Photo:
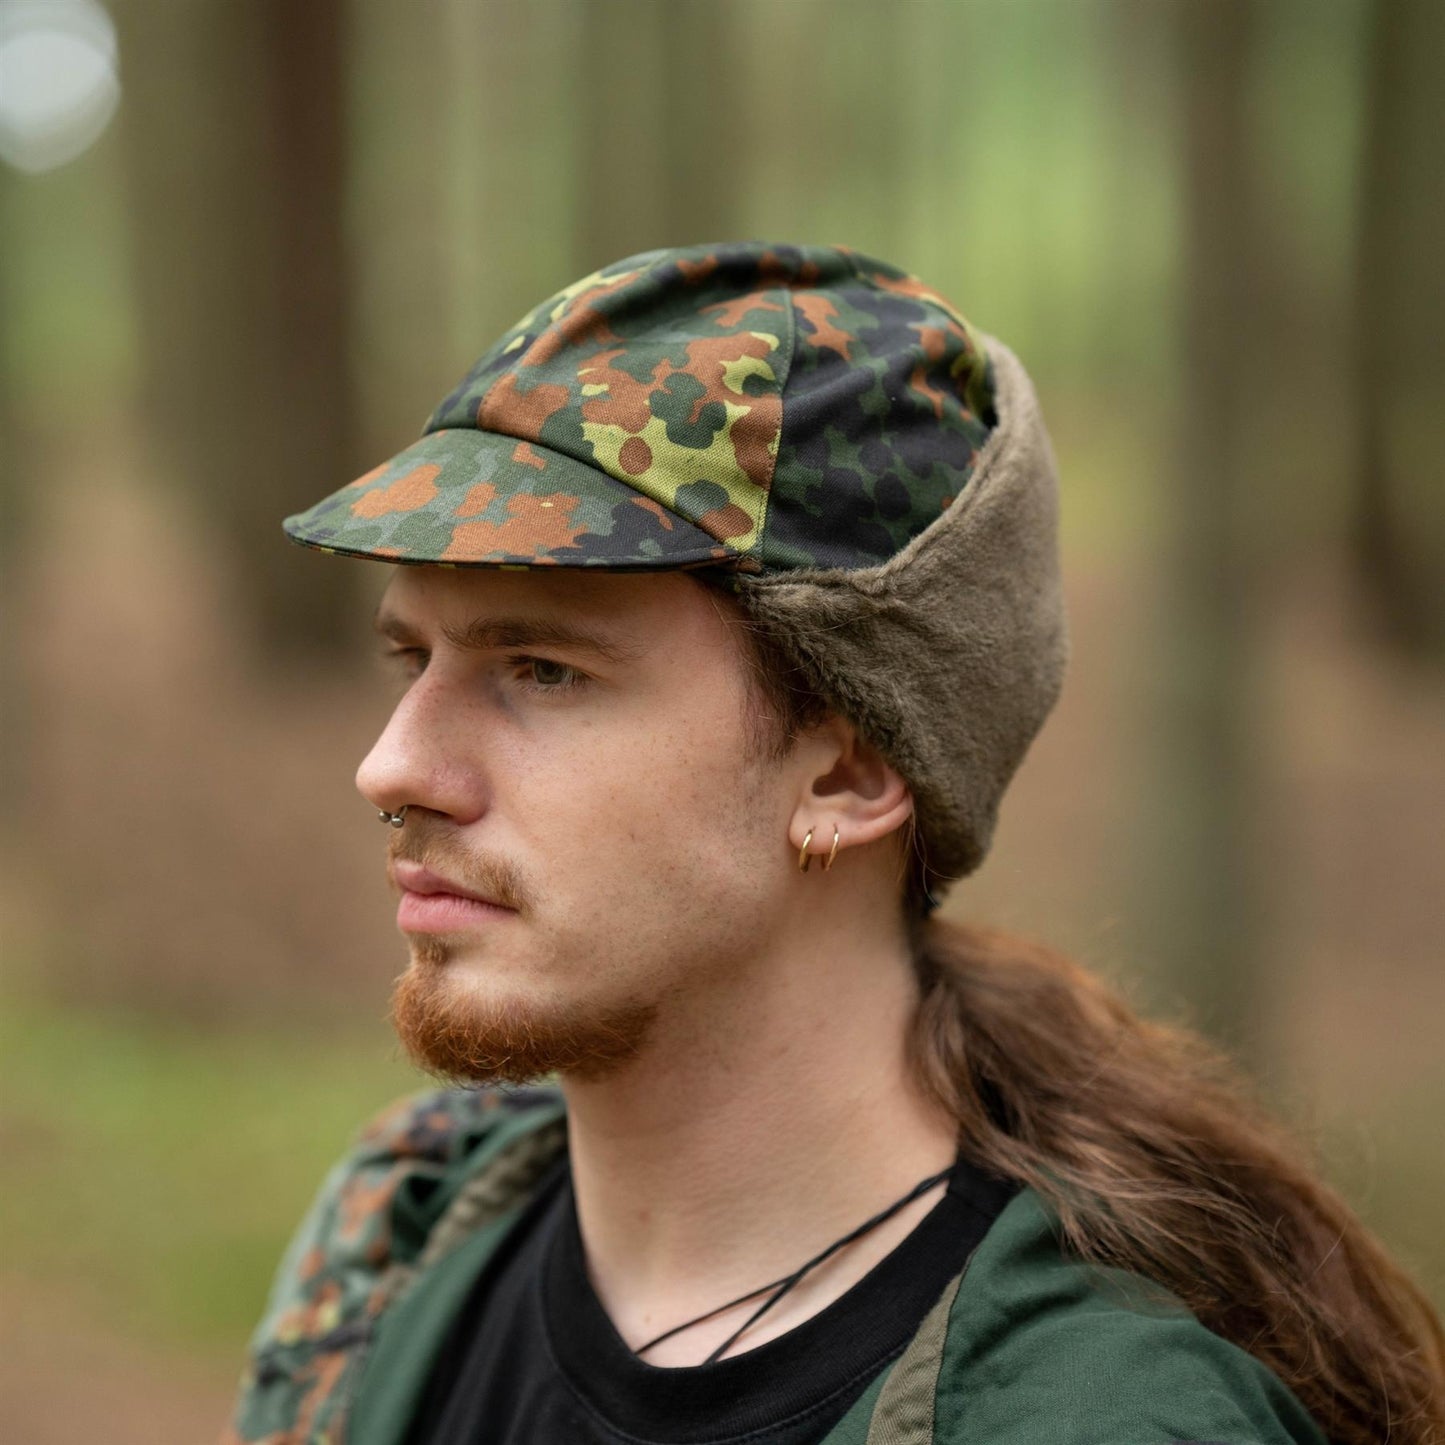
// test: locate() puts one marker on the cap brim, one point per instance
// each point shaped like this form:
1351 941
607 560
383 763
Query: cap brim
473 498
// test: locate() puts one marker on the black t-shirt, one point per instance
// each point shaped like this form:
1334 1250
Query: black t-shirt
533 1358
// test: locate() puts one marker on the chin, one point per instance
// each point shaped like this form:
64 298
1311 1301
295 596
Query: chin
460 1031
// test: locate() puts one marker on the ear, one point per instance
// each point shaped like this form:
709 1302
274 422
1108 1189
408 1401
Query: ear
846 784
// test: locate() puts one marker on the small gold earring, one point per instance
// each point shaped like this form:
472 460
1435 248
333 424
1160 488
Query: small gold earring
804 857
833 851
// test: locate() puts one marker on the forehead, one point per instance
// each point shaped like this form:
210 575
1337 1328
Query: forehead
652 610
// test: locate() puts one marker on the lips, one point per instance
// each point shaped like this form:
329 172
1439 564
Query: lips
433 904
413 878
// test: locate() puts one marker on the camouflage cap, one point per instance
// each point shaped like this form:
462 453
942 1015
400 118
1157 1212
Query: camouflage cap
817 423
760 407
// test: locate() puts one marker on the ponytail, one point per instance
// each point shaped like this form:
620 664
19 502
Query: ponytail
1158 1160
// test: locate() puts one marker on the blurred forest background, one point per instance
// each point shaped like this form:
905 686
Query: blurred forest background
245 246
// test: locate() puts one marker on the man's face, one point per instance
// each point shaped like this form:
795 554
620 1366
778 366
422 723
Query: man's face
575 747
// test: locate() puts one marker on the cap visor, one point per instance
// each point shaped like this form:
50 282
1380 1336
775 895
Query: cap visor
479 499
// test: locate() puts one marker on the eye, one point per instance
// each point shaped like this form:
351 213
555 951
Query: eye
547 674
406 661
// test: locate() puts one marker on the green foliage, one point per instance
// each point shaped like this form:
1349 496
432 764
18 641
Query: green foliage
160 1171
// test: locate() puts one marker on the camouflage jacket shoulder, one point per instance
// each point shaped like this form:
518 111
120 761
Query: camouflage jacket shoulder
406 1190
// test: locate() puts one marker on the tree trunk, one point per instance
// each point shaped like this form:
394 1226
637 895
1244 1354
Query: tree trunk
655 163
1397 360
1204 882
236 156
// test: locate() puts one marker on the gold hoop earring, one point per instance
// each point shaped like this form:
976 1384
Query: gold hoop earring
804 857
833 851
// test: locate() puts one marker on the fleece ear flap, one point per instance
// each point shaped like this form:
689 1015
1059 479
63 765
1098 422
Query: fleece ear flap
949 655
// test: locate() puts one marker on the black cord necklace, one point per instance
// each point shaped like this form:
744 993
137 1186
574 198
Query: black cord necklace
782 1286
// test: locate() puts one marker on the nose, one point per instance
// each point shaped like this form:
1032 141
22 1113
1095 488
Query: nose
416 762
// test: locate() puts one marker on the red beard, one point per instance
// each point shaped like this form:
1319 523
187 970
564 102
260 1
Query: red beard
451 1034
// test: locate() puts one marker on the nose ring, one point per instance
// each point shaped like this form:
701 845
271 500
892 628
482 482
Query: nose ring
395 819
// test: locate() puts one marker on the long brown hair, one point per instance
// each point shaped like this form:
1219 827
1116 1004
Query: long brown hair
1151 1147
1159 1160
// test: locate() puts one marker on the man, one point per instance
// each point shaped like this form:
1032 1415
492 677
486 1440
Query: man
730 606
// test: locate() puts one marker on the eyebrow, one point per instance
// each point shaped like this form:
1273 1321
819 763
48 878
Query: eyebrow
512 631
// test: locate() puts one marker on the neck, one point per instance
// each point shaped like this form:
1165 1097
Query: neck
762 1123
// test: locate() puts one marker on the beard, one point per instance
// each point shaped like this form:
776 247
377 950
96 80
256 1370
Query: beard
455 1034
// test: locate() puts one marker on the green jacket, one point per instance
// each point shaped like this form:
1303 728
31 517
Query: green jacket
1025 1347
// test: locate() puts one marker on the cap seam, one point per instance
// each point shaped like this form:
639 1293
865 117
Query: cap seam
790 325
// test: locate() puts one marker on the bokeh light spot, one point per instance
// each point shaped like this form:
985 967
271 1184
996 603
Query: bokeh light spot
59 80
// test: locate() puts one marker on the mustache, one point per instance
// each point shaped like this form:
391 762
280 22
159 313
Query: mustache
496 877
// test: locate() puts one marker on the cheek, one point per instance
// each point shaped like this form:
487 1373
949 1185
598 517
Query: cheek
710 836
657 813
